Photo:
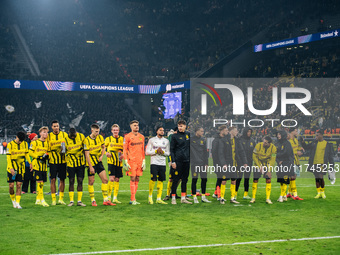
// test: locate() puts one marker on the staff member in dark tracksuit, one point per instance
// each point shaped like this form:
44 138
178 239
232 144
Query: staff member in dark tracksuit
199 163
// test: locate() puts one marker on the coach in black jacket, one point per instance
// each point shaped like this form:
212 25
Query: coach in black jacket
180 160
320 157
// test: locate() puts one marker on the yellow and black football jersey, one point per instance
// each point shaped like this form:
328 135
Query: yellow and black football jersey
54 142
295 144
94 146
233 147
75 150
37 149
264 156
16 155
114 145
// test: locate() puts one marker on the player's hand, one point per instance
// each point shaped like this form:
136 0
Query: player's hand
108 154
160 151
12 171
31 167
143 165
269 175
173 165
100 159
121 156
280 163
126 165
299 153
92 170
261 170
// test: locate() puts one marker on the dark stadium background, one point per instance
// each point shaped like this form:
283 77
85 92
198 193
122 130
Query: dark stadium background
156 42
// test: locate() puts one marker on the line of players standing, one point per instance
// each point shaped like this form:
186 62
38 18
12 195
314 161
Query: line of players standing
65 153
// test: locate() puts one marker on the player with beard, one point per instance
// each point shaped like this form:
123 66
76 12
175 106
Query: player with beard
159 149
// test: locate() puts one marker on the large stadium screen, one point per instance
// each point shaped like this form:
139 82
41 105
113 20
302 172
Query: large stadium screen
172 103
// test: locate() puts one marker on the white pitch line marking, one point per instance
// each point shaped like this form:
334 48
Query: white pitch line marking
201 246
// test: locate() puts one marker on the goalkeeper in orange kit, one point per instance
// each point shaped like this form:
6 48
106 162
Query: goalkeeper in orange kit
134 158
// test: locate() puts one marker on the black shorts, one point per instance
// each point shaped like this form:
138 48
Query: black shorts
40 175
158 172
58 170
257 174
116 171
318 169
171 173
227 173
18 178
98 168
73 171
198 171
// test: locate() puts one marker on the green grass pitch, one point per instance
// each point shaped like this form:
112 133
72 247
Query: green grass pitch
62 229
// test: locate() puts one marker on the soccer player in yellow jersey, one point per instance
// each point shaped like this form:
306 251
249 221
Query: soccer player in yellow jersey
94 151
17 152
114 154
75 160
57 161
320 157
264 158
38 152
292 190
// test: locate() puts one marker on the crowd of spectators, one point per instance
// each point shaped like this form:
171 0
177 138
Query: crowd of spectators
146 42
40 108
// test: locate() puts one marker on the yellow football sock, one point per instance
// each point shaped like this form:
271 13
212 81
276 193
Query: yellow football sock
318 190
53 197
322 190
38 191
115 189
12 196
17 199
268 190
91 192
283 189
290 187
61 196
111 185
293 187
168 190
222 190
41 184
104 191
80 195
245 194
232 190
151 186
159 189
254 189
71 195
